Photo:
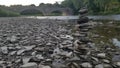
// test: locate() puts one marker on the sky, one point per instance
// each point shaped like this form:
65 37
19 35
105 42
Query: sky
26 2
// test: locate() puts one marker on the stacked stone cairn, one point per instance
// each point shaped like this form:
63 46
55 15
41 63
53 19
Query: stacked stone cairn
83 26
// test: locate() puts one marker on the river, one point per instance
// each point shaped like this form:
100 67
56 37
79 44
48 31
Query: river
106 17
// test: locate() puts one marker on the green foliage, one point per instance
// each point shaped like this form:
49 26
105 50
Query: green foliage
5 13
94 6
31 12
56 13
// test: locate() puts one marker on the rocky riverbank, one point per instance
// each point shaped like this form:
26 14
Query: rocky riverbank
34 43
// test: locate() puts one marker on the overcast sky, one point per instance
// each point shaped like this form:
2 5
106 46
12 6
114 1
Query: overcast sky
26 2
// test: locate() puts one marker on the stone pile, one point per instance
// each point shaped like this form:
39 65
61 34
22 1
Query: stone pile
33 43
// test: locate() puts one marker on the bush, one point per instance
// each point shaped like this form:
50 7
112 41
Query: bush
5 13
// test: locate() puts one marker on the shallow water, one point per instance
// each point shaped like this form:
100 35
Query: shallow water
106 17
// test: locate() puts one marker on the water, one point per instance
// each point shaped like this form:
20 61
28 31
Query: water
106 17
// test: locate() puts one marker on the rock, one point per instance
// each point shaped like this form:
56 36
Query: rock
86 65
101 55
13 53
34 59
83 20
28 48
83 11
73 65
20 52
57 65
25 60
99 66
66 37
118 64
107 66
103 66
40 57
96 59
4 50
1 62
106 61
12 39
29 65
43 66
116 58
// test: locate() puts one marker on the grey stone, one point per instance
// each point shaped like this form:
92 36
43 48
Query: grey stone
86 65
43 66
29 65
99 66
20 52
4 50
101 55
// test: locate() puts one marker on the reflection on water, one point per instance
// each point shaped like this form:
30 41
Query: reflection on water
116 42
106 17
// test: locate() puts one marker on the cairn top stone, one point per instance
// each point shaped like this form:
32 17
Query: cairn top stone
83 11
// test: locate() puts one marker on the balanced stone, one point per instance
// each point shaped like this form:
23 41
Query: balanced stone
83 11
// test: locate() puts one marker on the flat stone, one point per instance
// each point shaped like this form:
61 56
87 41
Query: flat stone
29 65
99 66
106 61
28 48
101 55
13 53
86 65
43 66
20 52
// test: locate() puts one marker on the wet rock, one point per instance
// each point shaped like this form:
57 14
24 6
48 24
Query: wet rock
29 65
86 65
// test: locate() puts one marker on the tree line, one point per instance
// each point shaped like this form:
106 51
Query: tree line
94 6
